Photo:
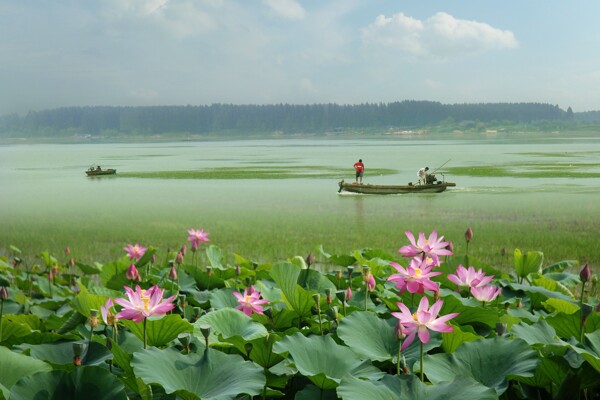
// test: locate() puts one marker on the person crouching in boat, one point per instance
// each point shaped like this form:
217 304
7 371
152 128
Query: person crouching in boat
422 175
359 167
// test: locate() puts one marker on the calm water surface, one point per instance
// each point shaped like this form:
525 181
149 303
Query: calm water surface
44 187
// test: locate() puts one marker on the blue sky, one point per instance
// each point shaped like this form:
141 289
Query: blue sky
56 53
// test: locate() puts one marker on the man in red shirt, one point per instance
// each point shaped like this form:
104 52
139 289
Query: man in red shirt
360 168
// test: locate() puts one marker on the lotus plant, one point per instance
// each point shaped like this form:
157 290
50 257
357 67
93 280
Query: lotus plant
469 277
143 304
250 301
424 248
415 278
135 252
485 294
197 236
419 323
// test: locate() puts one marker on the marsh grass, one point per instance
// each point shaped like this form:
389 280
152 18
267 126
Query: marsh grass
253 172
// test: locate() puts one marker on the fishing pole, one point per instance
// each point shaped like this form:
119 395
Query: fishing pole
441 165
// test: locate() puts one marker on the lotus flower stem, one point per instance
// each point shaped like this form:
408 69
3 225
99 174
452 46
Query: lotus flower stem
1 312
422 360
399 366
145 333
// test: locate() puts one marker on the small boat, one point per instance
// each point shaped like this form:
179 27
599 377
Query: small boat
436 187
99 171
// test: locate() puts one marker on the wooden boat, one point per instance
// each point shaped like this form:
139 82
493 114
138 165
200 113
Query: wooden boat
99 171
436 187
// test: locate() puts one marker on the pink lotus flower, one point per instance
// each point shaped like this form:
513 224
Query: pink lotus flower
486 293
196 237
433 247
415 278
421 321
135 252
143 303
250 301
349 294
468 277
133 274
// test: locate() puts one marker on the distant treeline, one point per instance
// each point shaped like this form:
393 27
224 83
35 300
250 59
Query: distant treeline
285 118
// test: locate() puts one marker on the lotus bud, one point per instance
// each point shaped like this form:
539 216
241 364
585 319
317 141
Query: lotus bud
3 293
78 350
179 258
194 247
67 250
317 299
310 259
55 270
469 234
209 271
183 250
93 319
371 283
585 273
328 295
238 270
399 331
71 262
349 294
132 273
503 251
50 276
173 273
501 328
450 247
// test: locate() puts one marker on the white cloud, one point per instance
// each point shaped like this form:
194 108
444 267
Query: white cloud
286 8
440 36
307 86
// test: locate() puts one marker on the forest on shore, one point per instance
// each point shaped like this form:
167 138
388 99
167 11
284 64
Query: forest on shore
250 120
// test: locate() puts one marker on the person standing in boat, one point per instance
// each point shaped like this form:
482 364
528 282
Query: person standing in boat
422 174
359 167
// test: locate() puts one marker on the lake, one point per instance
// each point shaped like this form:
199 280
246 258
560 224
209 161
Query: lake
47 202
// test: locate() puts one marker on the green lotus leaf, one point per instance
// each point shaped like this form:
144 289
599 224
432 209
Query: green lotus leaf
559 267
452 340
61 353
590 350
537 294
229 322
211 375
560 306
467 314
314 280
297 298
15 327
14 366
566 325
321 359
538 333
372 337
223 298
552 285
89 269
85 301
528 263
159 331
213 253
146 258
93 383
311 392
409 387
488 361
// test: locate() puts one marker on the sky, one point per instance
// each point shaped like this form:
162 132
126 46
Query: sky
62 53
